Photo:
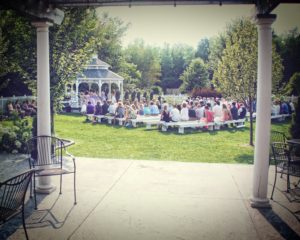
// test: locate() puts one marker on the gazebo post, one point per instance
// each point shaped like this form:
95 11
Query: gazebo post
109 93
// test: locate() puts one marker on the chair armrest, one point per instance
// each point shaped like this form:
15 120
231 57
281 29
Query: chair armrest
70 155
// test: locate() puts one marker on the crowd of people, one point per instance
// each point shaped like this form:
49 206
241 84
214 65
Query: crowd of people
26 108
203 109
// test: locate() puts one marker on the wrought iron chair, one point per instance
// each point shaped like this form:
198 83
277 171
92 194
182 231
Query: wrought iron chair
277 136
285 163
12 197
47 155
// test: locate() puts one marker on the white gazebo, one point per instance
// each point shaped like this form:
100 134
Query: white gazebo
97 72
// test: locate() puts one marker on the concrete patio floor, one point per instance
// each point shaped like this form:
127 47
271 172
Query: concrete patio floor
157 200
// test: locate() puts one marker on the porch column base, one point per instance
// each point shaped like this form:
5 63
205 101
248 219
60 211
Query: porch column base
45 189
260 203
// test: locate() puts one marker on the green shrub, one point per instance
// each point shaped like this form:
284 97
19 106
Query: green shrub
13 139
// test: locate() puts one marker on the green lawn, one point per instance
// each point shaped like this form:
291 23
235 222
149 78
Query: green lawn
106 141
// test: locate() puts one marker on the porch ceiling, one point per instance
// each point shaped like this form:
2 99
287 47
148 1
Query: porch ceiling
49 9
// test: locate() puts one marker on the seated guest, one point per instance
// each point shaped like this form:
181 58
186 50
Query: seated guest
146 110
242 111
192 110
226 114
98 110
284 108
10 108
184 112
153 108
32 104
209 115
120 110
90 108
141 109
105 107
165 115
28 111
111 108
200 110
175 114
130 113
234 111
19 110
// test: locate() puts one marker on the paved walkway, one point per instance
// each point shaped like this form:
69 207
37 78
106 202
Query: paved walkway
155 200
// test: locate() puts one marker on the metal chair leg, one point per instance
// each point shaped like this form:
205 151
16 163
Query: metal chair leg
60 183
274 183
75 200
23 221
34 192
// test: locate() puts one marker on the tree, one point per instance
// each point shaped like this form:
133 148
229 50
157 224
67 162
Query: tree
17 53
203 50
131 75
110 32
71 46
293 87
182 56
195 76
236 71
167 66
288 46
147 60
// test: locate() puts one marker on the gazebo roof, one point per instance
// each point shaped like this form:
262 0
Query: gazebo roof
98 63
97 69
102 74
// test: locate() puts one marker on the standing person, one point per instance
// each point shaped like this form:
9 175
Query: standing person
217 110
234 111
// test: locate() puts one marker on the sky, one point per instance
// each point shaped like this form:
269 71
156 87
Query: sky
157 25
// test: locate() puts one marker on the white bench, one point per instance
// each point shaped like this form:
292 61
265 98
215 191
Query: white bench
150 122
99 117
143 119
111 118
89 117
199 124
239 123
280 117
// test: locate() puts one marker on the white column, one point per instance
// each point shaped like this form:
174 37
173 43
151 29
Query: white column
263 112
109 93
122 91
43 93
76 93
